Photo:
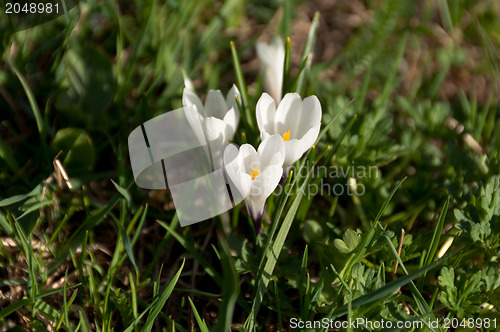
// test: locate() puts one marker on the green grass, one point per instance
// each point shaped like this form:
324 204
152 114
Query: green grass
409 91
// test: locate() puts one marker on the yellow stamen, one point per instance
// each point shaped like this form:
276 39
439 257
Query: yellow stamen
286 136
254 173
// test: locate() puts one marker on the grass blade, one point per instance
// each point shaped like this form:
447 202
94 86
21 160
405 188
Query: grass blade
155 310
201 323
425 310
77 236
272 258
7 155
123 192
14 307
303 268
203 262
231 287
286 67
240 79
437 234
365 242
31 98
386 290
126 243
138 319
307 56
444 10
332 121
18 198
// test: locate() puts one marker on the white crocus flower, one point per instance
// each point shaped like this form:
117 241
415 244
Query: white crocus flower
219 118
255 174
297 121
272 59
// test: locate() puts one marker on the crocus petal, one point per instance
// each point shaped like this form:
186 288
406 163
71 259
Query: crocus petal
231 123
255 208
286 114
310 137
214 129
300 119
218 121
308 117
191 99
215 104
264 136
294 151
312 107
233 166
262 187
271 151
295 148
216 139
249 157
272 58
231 160
255 174
267 181
188 84
265 113
245 183
194 120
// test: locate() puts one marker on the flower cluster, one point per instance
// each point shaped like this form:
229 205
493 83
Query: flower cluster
288 128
